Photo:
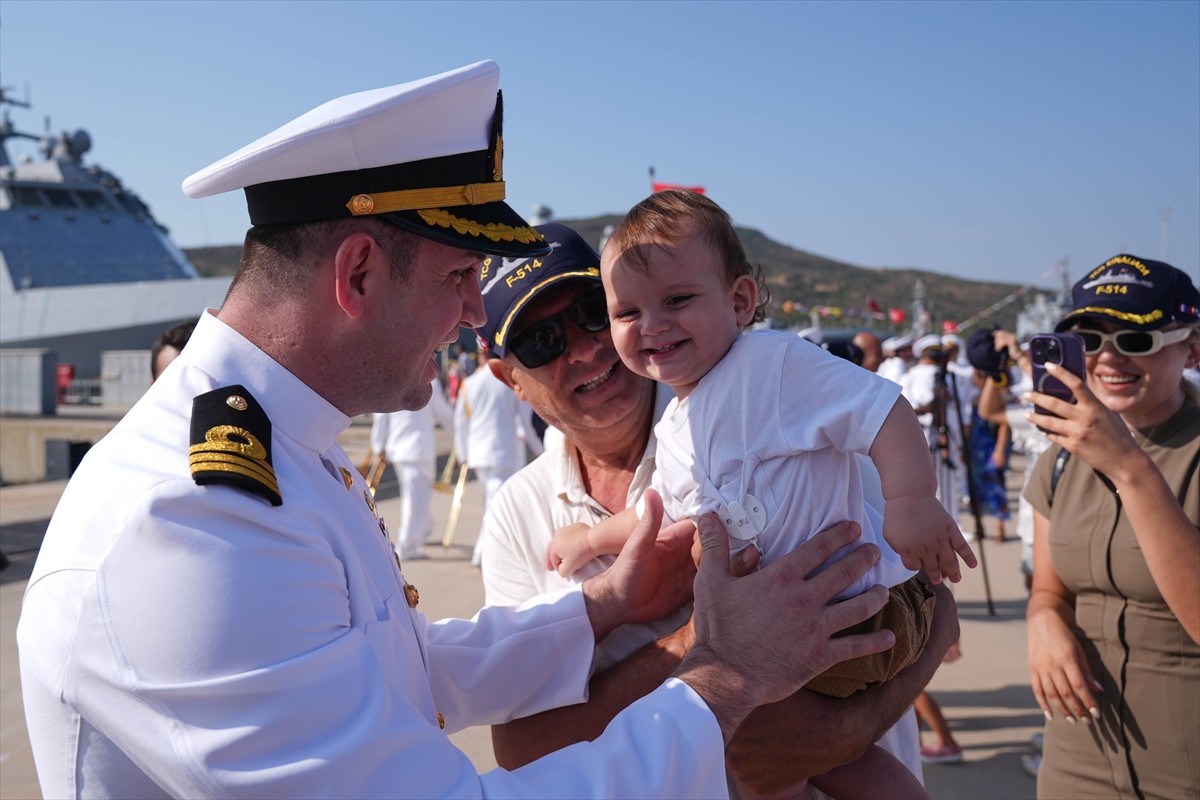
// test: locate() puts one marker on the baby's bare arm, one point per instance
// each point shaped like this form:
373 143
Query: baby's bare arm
575 545
914 523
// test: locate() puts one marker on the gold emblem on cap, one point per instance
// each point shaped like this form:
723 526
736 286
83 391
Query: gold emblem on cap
237 402
361 204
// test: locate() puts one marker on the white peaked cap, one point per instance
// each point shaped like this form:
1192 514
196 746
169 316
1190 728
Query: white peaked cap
926 342
895 343
442 115
425 155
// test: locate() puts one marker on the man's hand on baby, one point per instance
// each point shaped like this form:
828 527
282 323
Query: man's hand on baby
569 550
926 537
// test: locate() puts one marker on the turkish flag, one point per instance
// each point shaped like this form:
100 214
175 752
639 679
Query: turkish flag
662 187
949 326
896 315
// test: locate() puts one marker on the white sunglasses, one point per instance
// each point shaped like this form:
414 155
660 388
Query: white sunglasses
1130 343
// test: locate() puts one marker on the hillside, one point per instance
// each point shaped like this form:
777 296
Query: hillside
807 280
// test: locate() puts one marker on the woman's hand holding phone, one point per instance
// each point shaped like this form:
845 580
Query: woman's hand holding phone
1086 427
1060 349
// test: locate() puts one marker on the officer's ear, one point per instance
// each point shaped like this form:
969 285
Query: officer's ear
352 265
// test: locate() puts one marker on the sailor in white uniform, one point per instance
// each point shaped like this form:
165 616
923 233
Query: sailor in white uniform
897 351
406 439
490 431
217 611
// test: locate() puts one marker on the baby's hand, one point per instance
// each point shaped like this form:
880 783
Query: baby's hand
569 550
925 536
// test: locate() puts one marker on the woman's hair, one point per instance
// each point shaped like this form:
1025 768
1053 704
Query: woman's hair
283 258
669 216
1191 391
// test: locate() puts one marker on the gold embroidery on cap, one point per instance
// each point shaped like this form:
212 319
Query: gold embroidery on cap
1124 316
469 194
502 331
498 171
493 231
236 402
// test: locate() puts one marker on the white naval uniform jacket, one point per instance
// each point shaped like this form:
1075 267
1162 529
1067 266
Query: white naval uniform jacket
407 436
488 424
196 641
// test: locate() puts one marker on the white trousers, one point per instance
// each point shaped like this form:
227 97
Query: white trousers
416 492
491 478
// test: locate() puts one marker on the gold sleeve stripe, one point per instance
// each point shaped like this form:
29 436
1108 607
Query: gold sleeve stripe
259 467
470 194
201 461
237 470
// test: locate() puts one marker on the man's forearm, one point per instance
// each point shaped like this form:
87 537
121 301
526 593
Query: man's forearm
520 741
808 734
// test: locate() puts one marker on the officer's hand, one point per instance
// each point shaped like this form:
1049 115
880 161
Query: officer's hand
651 577
761 637
743 562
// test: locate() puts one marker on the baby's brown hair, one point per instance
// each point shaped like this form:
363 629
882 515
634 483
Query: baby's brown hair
665 217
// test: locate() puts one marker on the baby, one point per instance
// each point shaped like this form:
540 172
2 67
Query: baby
764 430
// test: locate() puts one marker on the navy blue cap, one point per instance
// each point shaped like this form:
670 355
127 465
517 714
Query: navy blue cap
982 354
1140 294
509 285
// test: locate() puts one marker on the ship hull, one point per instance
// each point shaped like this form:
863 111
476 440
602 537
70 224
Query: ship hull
80 322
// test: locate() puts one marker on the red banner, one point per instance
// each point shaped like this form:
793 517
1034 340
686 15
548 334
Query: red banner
660 187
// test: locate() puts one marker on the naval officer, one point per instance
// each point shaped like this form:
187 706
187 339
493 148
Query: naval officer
217 610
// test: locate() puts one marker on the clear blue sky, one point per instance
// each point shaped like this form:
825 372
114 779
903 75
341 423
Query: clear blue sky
980 139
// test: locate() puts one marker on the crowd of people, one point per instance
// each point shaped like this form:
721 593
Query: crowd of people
220 609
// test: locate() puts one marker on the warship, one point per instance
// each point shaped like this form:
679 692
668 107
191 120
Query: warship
84 265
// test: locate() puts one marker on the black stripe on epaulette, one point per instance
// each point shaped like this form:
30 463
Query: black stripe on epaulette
231 443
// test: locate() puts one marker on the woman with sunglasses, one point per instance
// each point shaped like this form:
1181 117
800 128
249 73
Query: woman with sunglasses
1114 614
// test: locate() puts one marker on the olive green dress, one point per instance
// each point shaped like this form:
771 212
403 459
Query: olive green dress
1147 741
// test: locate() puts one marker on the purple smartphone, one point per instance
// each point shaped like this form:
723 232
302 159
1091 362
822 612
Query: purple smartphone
1064 349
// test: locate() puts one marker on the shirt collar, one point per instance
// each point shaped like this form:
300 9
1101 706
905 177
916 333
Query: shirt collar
293 407
567 457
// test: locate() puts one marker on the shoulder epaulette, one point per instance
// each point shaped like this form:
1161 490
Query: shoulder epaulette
231 443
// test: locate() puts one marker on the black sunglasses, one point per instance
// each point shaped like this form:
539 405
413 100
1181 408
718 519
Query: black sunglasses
544 341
